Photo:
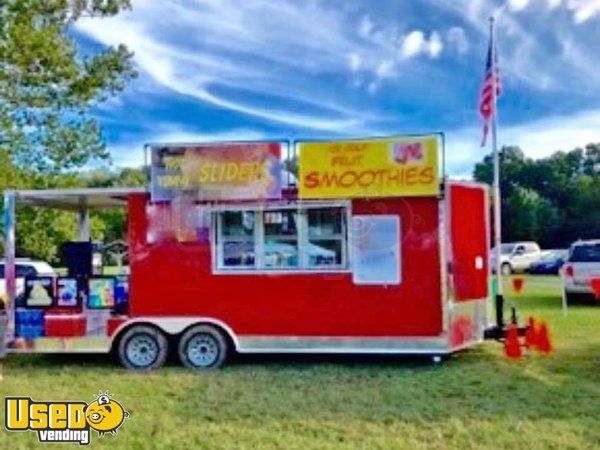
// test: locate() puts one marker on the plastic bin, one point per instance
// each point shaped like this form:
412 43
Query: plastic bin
29 323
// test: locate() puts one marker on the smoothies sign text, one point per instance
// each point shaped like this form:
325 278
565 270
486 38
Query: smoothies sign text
406 166
217 171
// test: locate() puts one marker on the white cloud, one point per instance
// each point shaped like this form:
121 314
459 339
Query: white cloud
354 61
435 45
582 10
213 50
276 60
385 69
458 39
365 27
517 5
527 43
537 139
415 43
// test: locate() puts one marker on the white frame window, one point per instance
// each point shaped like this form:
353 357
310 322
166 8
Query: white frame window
280 249
320 238
286 238
244 239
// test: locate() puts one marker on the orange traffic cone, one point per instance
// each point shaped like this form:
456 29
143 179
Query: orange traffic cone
544 344
531 338
517 283
512 348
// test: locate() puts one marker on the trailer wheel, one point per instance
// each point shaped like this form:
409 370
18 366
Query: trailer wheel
142 348
202 347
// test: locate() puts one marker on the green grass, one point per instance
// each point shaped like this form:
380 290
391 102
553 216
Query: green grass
476 399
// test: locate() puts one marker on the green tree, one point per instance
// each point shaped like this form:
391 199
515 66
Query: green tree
583 210
528 216
47 87
553 200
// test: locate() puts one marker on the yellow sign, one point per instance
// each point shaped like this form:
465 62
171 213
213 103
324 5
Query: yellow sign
391 167
64 421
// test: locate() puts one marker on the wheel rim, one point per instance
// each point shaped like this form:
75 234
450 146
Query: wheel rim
142 350
202 350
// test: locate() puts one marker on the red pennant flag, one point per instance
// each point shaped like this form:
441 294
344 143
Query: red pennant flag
518 283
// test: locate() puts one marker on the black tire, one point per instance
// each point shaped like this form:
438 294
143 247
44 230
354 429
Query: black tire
142 348
580 299
506 269
569 300
202 347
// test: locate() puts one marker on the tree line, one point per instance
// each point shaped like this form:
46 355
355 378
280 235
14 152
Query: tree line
554 200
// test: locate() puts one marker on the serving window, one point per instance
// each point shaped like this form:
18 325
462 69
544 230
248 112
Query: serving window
280 249
238 240
326 237
282 239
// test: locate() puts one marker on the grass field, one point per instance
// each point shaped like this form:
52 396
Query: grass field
476 399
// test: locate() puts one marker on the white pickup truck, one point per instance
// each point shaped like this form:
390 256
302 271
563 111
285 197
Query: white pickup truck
24 267
581 267
516 257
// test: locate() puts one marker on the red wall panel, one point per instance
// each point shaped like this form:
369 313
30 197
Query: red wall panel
169 278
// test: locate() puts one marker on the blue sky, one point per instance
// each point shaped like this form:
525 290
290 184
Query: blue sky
262 69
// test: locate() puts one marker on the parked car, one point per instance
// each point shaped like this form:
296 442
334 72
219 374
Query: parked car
550 262
516 256
25 267
582 266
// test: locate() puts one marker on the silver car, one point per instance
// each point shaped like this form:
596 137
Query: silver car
582 266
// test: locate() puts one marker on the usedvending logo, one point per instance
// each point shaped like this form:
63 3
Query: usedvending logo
64 421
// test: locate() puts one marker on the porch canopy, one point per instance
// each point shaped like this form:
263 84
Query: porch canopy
78 200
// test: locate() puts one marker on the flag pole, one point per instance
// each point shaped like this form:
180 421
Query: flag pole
496 187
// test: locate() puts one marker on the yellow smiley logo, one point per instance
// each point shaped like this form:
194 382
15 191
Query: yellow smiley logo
105 415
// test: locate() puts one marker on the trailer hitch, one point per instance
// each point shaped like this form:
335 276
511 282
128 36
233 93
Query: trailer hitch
498 332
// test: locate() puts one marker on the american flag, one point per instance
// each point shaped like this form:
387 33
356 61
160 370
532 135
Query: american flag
487 104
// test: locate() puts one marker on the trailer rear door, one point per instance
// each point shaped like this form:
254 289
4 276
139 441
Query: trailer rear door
469 241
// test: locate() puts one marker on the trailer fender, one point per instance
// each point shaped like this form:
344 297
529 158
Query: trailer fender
173 326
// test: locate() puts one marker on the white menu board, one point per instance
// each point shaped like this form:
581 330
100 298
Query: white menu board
375 241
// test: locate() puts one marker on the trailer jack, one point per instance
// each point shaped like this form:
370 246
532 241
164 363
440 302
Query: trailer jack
498 331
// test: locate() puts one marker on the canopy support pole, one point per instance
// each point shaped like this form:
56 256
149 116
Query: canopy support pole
9 264
83 224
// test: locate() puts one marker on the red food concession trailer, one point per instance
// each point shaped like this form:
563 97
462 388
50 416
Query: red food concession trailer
369 249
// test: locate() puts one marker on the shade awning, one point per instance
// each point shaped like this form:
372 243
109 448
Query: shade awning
77 198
